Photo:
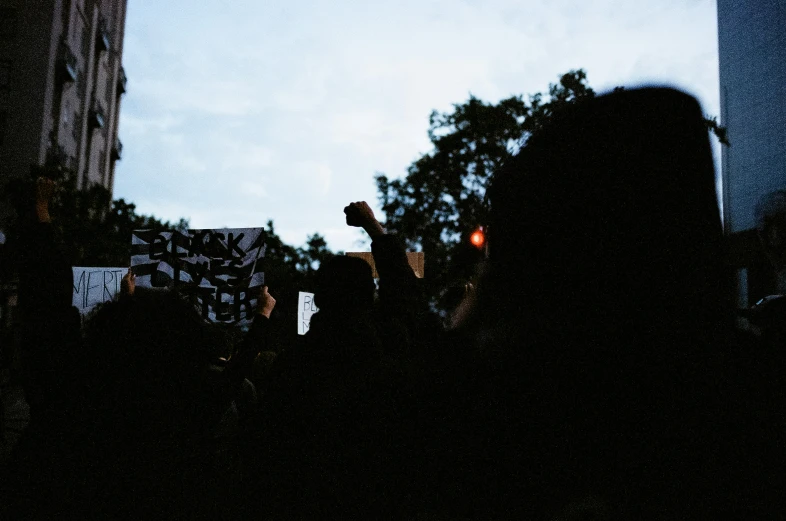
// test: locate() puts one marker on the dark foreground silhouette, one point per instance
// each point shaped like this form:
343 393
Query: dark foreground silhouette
596 374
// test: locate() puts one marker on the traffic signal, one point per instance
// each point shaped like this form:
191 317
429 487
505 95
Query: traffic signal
478 238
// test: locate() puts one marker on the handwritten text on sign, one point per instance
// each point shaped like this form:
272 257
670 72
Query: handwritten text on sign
306 308
220 270
93 286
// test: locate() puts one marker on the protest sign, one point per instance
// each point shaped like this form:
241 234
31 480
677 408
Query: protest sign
93 286
306 308
219 270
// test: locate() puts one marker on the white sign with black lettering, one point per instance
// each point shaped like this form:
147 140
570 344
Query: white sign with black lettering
306 308
93 286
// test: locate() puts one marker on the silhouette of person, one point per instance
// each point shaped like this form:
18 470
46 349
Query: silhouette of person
605 372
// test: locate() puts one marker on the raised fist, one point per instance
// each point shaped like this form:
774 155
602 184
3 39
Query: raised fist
359 214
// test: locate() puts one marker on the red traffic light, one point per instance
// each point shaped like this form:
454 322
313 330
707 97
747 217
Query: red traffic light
478 238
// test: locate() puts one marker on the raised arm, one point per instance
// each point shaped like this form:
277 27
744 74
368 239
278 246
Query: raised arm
361 215
399 292
255 341
389 256
49 323
44 272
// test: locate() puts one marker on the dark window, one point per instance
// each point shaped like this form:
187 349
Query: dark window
102 35
8 23
96 118
85 44
110 87
102 163
81 85
122 81
66 114
67 64
77 130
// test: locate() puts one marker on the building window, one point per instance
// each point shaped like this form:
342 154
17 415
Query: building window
77 130
122 80
67 64
117 150
85 44
102 35
96 117
81 86
66 114
8 23
110 87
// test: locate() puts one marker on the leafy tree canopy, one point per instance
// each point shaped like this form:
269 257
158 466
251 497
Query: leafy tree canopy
440 202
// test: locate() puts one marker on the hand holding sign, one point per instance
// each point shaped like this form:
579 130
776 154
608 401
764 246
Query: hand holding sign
219 271
128 284
266 302
93 286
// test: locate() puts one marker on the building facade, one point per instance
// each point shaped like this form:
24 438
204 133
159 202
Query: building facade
752 59
752 62
61 81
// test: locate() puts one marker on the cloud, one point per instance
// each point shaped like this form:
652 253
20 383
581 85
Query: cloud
252 189
132 124
352 239
312 178
191 164
203 94
239 112
245 156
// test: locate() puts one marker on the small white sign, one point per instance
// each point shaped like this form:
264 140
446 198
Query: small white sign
93 286
306 308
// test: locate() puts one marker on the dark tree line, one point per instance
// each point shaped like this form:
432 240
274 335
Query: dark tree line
434 208
96 231
441 200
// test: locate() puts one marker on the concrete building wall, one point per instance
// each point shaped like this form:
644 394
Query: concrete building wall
752 58
24 47
45 114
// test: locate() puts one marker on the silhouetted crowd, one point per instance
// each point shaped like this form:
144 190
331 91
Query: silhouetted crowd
594 371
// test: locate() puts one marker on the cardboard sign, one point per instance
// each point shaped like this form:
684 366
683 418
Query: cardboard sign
415 259
306 308
93 286
220 270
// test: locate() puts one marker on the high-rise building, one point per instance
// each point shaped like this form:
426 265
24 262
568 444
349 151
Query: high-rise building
752 59
61 79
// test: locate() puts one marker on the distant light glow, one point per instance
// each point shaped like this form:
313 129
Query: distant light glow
478 238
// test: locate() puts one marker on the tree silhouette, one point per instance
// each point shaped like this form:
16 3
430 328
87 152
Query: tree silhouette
96 231
441 201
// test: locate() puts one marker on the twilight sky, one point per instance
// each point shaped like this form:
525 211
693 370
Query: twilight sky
242 111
